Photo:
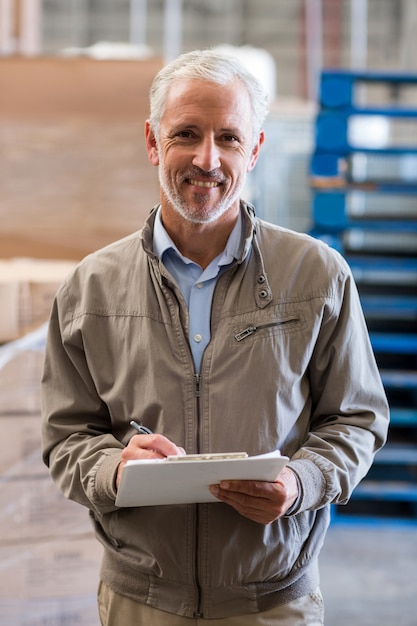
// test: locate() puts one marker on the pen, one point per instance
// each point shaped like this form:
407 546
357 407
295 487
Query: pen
142 430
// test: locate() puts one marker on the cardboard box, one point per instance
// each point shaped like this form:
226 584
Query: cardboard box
50 582
35 510
9 317
20 380
50 569
79 610
20 448
27 290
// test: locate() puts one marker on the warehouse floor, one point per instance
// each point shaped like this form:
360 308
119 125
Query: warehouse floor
369 575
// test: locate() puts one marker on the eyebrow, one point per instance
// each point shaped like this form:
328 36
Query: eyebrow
232 130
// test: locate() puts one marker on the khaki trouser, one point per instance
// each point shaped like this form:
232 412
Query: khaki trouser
117 610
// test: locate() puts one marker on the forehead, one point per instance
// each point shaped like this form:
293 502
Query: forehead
192 99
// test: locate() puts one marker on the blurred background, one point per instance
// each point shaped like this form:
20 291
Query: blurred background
339 162
74 80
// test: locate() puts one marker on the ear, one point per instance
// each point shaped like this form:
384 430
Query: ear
255 151
151 144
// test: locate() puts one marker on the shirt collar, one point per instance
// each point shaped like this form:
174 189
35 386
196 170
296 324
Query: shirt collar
162 242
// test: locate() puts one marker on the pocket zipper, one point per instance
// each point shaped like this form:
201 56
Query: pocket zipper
250 330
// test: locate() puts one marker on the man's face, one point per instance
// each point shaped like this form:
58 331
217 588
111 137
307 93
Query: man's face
205 148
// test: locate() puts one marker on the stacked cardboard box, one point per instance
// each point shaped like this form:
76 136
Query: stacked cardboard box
27 289
20 375
49 557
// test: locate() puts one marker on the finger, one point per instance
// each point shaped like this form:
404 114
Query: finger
254 509
252 488
251 499
259 505
153 446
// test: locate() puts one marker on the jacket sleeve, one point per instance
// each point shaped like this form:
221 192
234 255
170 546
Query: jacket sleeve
78 446
350 415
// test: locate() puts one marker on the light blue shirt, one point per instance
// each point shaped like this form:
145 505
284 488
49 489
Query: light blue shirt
196 285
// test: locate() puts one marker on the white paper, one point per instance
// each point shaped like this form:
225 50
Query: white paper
162 481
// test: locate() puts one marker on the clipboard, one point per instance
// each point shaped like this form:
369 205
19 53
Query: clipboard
186 479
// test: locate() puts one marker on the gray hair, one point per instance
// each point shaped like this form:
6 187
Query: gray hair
212 66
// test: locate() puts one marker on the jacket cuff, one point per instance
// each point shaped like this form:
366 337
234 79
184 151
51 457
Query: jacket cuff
312 485
104 489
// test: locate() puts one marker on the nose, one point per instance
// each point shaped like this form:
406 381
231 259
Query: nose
207 154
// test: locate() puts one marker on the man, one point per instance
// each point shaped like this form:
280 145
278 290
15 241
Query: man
220 333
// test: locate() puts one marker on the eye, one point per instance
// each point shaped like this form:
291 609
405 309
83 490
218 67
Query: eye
185 134
230 138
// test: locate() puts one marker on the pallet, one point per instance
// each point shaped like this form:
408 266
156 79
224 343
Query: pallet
364 204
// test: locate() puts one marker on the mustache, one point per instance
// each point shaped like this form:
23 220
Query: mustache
214 175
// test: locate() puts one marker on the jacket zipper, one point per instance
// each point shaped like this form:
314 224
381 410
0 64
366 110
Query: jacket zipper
250 330
198 613
197 382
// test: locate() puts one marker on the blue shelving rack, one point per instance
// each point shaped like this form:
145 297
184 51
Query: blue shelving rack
364 204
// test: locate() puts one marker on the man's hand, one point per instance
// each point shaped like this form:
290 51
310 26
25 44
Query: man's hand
261 502
147 447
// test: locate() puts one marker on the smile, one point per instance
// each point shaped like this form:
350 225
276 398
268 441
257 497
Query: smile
206 184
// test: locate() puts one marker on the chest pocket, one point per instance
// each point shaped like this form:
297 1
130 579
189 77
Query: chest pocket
260 327
282 325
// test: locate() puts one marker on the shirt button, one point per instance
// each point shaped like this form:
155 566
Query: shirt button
199 285
197 337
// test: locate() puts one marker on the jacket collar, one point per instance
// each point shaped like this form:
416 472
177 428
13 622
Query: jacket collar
262 290
263 293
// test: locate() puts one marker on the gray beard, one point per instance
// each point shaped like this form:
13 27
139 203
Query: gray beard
180 206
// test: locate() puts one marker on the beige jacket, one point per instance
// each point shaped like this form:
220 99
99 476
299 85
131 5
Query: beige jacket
289 366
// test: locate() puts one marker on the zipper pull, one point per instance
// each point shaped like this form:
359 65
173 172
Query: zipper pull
245 333
197 380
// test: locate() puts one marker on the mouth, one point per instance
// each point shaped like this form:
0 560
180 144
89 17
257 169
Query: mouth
203 184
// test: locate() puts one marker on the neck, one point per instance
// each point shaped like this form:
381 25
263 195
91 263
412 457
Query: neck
201 243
